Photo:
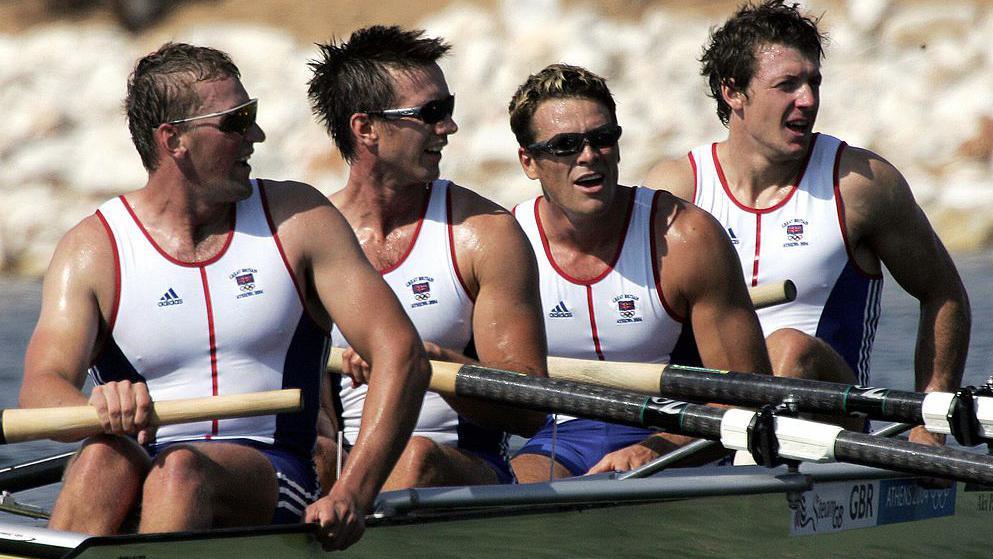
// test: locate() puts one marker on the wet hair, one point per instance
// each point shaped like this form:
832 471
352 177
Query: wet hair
729 57
556 81
354 76
160 89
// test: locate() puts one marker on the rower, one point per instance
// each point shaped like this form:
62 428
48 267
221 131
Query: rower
807 206
207 282
626 274
458 262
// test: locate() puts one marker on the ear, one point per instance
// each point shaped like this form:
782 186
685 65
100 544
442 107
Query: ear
732 95
363 130
169 141
528 163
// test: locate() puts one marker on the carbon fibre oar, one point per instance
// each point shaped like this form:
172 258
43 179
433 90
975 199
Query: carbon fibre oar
966 414
25 424
769 437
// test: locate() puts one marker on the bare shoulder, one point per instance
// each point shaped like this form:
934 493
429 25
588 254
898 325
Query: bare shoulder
684 225
289 198
675 175
305 220
83 264
871 188
478 217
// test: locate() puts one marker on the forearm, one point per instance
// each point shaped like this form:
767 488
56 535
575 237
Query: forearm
49 390
392 405
942 343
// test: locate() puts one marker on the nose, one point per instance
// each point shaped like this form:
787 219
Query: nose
446 126
255 134
807 96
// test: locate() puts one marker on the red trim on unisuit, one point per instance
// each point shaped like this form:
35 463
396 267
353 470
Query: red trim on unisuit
696 176
213 339
176 261
417 232
593 330
613 262
779 204
451 242
656 272
840 205
758 249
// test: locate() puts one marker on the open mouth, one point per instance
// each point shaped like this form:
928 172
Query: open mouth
799 126
589 179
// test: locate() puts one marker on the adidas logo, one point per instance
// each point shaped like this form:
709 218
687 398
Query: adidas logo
170 298
560 311
734 238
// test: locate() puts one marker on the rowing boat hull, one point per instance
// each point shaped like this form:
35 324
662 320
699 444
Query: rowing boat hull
740 512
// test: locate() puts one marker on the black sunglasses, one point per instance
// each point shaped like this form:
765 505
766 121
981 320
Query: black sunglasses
236 119
570 143
431 112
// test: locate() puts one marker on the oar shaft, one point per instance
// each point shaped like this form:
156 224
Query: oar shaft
619 406
80 421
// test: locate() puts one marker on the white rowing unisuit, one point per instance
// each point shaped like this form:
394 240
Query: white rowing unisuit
426 281
801 238
620 315
230 325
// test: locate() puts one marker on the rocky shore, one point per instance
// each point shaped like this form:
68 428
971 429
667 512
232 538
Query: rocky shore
910 80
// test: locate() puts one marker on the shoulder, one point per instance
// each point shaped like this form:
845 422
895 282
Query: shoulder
871 186
300 213
675 175
479 215
684 225
84 259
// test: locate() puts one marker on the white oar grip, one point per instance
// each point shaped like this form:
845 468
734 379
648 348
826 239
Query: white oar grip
934 409
799 439
984 413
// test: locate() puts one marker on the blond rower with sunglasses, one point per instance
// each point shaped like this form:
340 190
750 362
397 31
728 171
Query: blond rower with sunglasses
459 263
208 282
626 274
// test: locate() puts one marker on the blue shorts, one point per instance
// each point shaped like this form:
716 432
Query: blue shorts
581 443
296 478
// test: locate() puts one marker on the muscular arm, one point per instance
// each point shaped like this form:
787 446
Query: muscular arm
675 175
499 268
886 225
60 347
76 298
343 286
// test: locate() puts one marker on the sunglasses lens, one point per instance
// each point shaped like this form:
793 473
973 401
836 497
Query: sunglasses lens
438 110
566 144
605 137
239 121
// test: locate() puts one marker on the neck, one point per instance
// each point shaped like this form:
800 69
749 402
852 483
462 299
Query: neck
380 206
757 177
184 225
591 234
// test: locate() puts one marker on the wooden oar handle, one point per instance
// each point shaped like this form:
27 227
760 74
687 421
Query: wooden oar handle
46 423
641 377
769 294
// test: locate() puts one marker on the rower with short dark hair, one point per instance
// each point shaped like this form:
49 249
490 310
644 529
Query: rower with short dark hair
808 207
626 274
458 262
208 282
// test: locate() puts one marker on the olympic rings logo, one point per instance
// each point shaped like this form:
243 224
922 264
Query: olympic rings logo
247 287
422 296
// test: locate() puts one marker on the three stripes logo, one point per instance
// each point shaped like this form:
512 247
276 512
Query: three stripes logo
560 311
170 298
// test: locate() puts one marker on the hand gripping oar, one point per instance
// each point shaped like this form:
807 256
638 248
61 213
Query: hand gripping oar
25 424
967 414
768 436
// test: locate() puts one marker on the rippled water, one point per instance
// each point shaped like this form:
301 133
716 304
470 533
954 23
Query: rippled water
892 359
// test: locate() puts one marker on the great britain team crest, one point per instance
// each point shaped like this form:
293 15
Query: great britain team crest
795 233
246 282
420 290
628 308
